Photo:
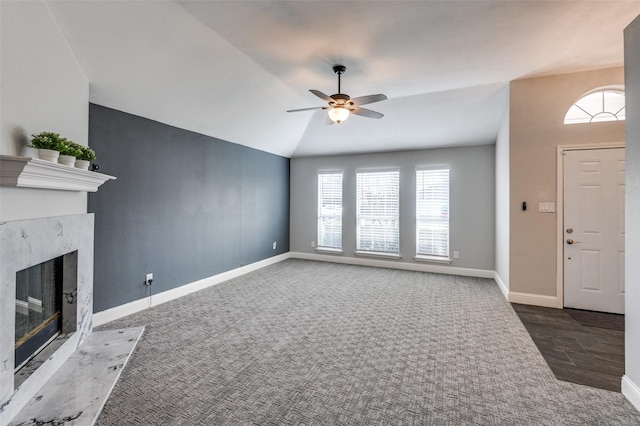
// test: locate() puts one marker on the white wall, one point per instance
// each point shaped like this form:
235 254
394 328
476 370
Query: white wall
43 89
502 203
472 201
631 381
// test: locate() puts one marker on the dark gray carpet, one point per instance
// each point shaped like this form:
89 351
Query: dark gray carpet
316 343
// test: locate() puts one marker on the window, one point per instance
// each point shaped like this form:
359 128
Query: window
330 210
378 212
432 213
599 105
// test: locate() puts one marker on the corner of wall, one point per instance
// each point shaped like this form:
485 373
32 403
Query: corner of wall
502 222
631 391
631 380
504 287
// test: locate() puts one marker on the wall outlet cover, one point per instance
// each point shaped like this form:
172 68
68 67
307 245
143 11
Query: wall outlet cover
546 207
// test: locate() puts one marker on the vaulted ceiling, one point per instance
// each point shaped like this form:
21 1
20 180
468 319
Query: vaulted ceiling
231 69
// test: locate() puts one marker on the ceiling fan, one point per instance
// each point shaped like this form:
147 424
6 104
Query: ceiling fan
341 105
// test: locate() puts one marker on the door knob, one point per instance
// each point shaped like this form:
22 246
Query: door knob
569 241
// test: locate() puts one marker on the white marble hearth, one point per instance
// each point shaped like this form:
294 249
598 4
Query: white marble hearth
77 392
24 243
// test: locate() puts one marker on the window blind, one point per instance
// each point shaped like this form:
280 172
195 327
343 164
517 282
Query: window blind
432 212
378 211
330 210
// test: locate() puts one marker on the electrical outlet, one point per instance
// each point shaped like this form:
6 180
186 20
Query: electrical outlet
313 244
456 255
149 279
275 244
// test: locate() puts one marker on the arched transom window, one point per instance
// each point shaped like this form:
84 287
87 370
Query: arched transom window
597 105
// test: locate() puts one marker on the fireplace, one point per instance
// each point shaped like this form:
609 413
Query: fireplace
63 247
40 316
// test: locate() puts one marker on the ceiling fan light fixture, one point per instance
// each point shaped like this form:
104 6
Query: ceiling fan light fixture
341 106
338 114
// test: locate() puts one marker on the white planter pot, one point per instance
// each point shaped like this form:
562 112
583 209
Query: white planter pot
49 155
29 151
67 160
82 164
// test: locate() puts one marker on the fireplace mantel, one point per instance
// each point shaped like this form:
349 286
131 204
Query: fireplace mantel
27 172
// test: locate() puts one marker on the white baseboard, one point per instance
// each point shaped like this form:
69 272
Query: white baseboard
503 287
380 263
103 317
631 391
112 314
534 299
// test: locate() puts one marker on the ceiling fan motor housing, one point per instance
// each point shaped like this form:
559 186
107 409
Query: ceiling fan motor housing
341 99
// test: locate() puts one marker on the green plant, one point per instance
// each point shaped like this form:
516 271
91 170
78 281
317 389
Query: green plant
66 147
86 154
78 150
48 140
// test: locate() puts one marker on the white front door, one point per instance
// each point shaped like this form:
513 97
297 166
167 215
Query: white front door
594 229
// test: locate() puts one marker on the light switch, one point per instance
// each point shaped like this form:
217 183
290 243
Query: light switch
546 207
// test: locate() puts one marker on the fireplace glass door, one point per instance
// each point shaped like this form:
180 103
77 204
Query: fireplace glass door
38 308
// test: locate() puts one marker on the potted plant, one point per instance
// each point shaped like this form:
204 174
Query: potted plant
48 145
85 157
68 152
53 147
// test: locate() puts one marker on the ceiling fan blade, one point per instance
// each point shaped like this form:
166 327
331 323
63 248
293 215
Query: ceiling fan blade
369 99
366 112
322 95
307 109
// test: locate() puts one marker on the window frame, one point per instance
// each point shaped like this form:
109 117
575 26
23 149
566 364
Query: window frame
359 216
422 217
604 111
319 214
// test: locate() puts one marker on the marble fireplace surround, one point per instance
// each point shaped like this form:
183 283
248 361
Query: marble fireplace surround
24 243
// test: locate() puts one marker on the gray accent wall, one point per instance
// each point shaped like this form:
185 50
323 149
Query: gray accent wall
472 200
184 206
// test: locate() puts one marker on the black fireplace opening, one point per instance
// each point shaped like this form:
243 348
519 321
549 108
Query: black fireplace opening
40 295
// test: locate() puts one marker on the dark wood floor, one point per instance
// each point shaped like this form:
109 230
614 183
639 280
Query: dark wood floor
580 346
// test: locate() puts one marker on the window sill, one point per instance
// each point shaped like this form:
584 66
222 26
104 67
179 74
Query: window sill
432 259
328 250
377 254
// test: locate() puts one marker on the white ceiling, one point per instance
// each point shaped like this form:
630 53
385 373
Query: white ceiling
230 69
